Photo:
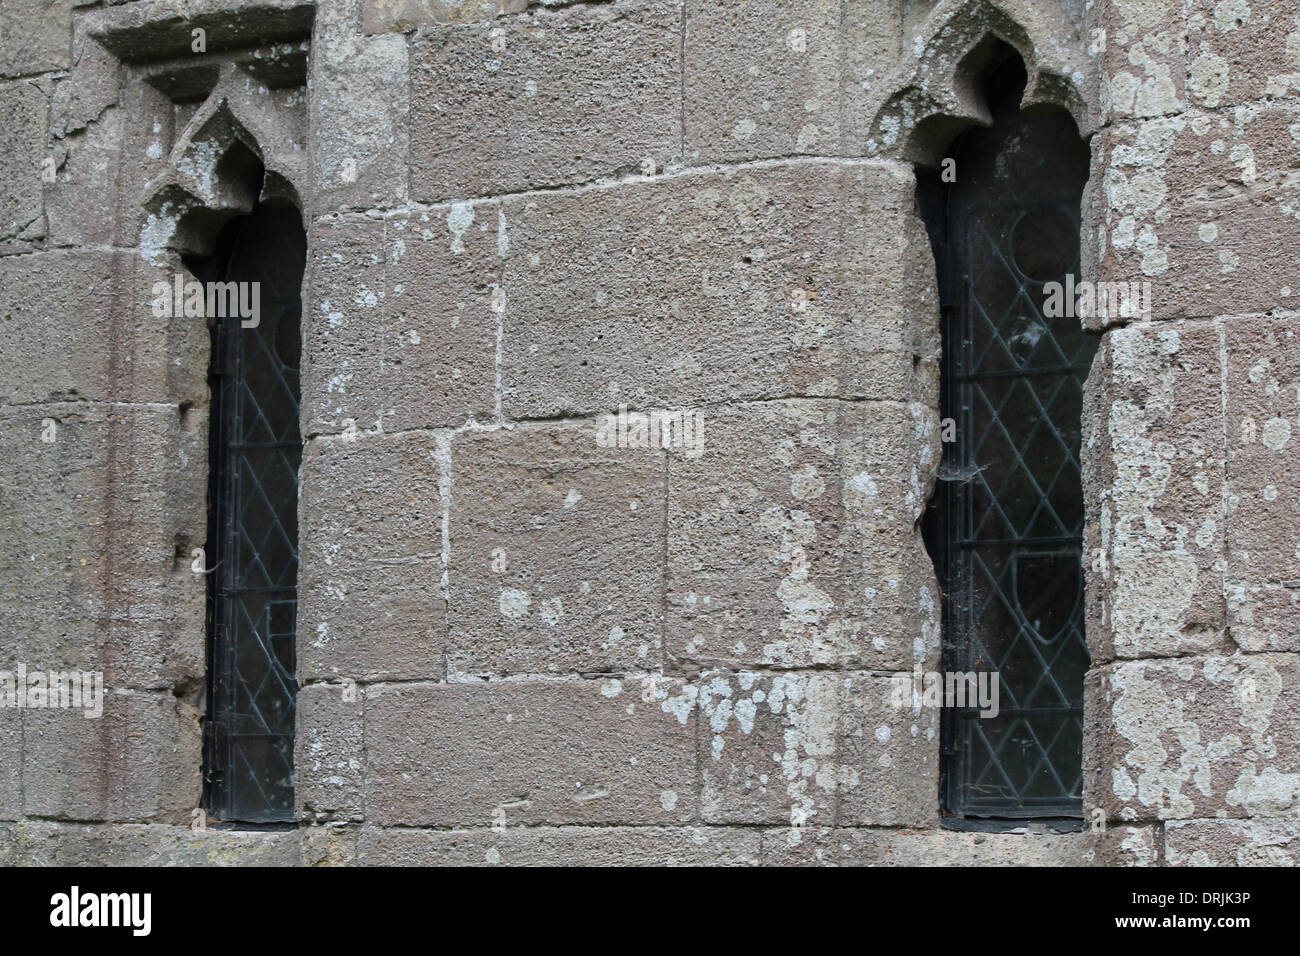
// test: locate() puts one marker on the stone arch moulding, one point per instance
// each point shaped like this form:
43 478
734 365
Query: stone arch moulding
932 95
208 177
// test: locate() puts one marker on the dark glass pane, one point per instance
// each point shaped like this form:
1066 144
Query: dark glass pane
1007 533
255 451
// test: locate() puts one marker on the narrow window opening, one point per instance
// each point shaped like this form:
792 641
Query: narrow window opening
255 449
1004 526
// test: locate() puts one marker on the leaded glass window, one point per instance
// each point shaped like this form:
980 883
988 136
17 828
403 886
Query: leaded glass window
255 449
1006 520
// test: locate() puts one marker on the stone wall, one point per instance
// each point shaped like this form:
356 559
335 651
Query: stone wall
517 644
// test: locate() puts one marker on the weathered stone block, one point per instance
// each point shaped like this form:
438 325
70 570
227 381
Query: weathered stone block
330 845
1121 846
561 846
1153 461
868 847
1203 205
545 99
38 843
768 748
762 79
1232 843
81 325
888 756
791 539
1142 49
23 108
36 36
371 513
560 752
328 756
1241 51
361 120
1194 737
73 766
97 526
11 759
387 16
401 331
1263 527
556 552
784 279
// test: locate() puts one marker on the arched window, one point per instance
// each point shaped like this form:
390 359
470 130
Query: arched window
255 449
1005 523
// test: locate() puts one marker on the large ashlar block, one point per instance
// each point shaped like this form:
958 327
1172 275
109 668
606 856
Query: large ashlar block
792 538
557 552
852 846
101 507
812 750
1142 51
561 846
1202 205
1153 461
888 755
370 601
82 325
547 99
37 36
1263 528
361 119
329 760
526 752
768 747
400 327
1266 842
73 766
1242 51
23 109
796 278
40 843
1193 738
763 79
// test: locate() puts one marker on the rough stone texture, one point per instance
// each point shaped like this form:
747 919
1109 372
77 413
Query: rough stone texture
768 748
759 282
888 757
794 527
556 552
370 606
11 761
71 762
1193 737
1242 51
1153 453
1122 846
1263 528
96 532
36 843
453 755
328 760
80 325
361 118
545 99
561 846
330 845
1232 843
23 107
846 846
403 334
1204 206
763 79
36 35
